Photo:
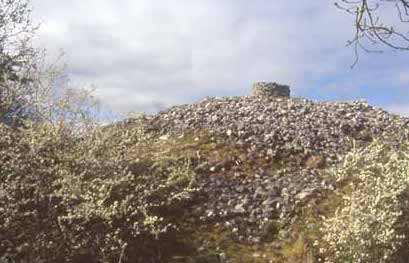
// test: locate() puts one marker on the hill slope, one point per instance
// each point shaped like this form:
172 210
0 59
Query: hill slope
267 160
234 179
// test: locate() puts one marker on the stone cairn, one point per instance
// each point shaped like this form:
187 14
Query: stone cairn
270 89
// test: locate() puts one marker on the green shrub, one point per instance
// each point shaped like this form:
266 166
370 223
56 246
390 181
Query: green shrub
366 228
97 197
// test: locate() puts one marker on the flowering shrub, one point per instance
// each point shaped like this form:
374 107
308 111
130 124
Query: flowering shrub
104 196
366 227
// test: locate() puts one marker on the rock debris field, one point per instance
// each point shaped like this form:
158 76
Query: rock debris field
308 138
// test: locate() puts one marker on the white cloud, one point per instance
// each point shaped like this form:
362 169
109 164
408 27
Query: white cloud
146 54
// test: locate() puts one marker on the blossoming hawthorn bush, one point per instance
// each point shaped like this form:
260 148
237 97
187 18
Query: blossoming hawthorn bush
94 197
370 226
71 191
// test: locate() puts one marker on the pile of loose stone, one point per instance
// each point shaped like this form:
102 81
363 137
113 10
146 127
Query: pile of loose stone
279 124
274 126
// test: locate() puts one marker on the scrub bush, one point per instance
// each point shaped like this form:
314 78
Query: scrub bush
370 226
104 196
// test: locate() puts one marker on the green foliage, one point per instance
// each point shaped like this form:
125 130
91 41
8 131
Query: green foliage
66 198
297 252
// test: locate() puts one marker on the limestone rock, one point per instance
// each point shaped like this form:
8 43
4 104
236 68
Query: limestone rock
267 89
308 138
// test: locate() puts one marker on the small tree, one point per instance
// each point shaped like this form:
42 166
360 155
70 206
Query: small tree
16 60
30 88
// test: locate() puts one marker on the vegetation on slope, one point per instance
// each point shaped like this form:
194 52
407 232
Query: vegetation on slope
73 191
118 195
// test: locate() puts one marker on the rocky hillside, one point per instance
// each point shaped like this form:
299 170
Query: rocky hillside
264 178
267 158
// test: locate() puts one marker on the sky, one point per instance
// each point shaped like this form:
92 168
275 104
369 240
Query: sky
145 55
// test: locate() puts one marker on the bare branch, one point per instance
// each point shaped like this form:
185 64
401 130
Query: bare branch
370 28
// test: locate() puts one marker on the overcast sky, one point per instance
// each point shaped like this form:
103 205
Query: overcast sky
145 55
